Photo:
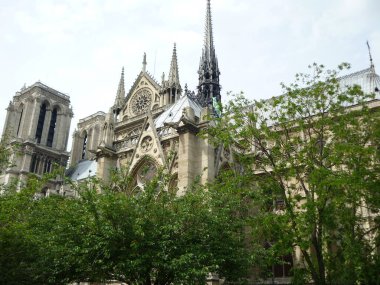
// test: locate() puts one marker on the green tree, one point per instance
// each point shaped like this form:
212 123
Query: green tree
311 161
107 234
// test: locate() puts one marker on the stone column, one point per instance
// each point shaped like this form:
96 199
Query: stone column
29 123
90 137
60 132
46 127
96 135
57 132
75 149
17 117
41 165
166 98
207 152
9 121
188 154
26 159
106 163
68 116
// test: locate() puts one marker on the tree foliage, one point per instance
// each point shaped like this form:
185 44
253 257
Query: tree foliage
310 159
105 234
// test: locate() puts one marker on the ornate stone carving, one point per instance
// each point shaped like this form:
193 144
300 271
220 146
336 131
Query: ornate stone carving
141 101
146 143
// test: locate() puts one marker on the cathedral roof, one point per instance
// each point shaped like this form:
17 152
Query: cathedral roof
174 113
367 79
45 87
83 170
136 82
143 73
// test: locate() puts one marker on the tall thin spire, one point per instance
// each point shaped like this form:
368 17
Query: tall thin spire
144 63
120 94
208 87
173 79
370 56
209 50
171 89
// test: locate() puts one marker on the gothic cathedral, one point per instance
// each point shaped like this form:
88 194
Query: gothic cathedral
155 126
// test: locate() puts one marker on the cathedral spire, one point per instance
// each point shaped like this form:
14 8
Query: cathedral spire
144 63
370 56
208 86
120 94
173 79
208 50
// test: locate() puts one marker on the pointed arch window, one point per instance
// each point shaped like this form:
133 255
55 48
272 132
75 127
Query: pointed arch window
33 163
20 119
84 148
143 174
40 124
53 122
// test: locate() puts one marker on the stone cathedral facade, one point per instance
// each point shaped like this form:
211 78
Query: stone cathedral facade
155 125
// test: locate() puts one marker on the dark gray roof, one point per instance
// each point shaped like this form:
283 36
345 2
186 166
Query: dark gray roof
84 169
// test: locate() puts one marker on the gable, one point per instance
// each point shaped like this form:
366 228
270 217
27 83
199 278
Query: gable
143 95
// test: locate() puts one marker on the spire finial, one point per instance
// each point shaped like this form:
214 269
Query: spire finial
208 87
173 78
209 40
144 63
119 100
370 56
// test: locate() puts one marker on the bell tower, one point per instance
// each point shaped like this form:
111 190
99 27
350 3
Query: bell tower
38 121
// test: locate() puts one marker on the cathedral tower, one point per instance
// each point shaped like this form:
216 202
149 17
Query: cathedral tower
38 121
208 86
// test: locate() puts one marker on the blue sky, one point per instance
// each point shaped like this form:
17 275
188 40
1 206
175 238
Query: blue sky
79 47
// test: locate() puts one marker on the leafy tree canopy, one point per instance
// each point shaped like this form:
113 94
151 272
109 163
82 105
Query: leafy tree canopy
310 161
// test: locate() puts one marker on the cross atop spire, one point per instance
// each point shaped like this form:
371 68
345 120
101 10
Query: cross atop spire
144 63
173 79
120 94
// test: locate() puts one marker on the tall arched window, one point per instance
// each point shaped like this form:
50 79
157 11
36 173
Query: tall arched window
21 110
84 146
40 124
144 173
53 122
33 163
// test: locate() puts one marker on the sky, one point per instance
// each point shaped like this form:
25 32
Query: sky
79 47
